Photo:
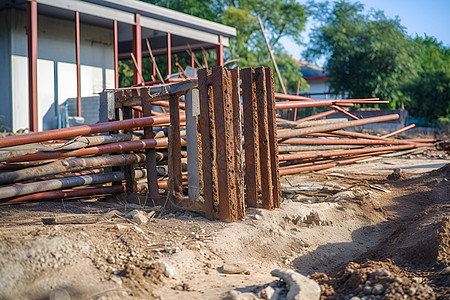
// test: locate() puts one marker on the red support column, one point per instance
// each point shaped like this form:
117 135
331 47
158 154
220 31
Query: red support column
192 59
116 54
169 54
154 67
77 51
137 49
219 52
32 24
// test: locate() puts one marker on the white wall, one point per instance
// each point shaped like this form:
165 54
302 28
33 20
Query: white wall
91 81
46 115
46 95
19 69
67 75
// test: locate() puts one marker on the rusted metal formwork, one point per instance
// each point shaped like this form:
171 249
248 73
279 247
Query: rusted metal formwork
221 144
119 103
262 184
221 132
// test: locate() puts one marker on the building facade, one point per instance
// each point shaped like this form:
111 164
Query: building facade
54 52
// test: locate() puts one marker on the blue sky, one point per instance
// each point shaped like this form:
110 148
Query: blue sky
431 17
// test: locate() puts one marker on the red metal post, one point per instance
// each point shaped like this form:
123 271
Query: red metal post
169 54
154 68
77 51
116 54
137 49
32 24
63 133
219 52
192 59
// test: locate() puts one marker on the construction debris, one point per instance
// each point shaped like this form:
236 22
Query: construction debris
235 156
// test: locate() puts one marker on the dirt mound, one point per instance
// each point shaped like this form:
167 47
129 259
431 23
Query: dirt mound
373 280
442 172
422 242
398 174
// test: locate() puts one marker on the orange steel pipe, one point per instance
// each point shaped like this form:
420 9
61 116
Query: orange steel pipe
301 98
91 191
323 135
284 171
60 194
83 130
166 103
32 33
330 127
317 103
305 164
348 114
281 120
282 96
343 141
78 62
305 104
101 149
398 131
316 116
320 154
358 135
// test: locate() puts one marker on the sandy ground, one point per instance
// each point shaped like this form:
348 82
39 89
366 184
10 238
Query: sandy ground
336 225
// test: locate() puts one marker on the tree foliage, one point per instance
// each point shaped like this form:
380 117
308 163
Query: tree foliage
368 55
430 89
281 19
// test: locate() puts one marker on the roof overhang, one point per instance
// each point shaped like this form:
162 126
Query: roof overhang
152 17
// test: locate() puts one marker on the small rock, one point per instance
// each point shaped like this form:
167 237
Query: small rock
268 293
111 260
183 287
398 174
151 214
446 271
337 175
60 294
378 289
367 290
137 216
116 279
257 217
171 250
355 298
417 279
412 290
232 269
167 270
236 295
381 272
300 287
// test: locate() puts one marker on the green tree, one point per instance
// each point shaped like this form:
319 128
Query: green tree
367 55
430 89
281 18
